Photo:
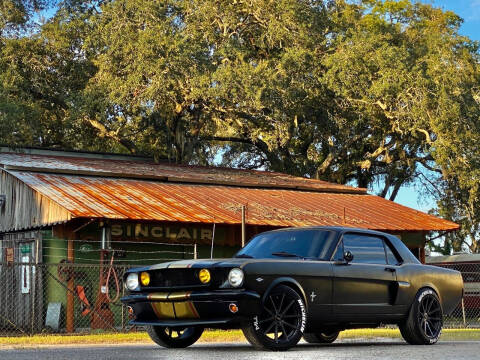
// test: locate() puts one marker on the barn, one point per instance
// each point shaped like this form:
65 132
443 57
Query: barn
59 207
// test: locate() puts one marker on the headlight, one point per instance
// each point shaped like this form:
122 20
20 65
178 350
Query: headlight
145 278
235 277
204 276
131 282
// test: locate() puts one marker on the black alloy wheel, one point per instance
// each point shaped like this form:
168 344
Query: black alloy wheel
425 320
325 337
430 316
174 337
281 323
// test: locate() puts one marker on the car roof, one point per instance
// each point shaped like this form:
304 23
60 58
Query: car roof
404 252
339 229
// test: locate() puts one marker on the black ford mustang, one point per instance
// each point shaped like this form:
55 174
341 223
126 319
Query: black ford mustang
285 284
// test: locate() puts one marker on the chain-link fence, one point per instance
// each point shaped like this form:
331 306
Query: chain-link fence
467 313
58 298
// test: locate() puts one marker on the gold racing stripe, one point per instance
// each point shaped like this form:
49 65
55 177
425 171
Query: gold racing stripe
158 296
173 296
163 310
185 310
179 295
180 265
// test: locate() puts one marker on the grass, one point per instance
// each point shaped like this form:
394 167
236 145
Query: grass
210 336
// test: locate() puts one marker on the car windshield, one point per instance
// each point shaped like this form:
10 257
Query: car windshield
305 243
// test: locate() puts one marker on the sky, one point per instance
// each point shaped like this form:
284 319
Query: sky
469 10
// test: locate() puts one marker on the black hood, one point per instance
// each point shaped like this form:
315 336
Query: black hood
195 264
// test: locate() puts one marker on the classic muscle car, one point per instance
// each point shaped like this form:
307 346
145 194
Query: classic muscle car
284 284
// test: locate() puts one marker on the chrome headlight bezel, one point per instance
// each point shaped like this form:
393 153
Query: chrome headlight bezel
236 277
131 282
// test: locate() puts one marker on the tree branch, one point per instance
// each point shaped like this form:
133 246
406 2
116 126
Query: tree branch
104 132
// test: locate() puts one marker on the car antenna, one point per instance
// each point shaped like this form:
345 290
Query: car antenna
213 237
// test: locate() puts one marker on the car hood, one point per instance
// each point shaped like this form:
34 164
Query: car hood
200 263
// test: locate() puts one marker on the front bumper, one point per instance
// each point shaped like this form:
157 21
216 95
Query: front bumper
190 308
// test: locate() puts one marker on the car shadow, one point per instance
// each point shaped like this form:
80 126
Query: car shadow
228 347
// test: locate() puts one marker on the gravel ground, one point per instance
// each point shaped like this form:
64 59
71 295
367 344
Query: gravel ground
382 349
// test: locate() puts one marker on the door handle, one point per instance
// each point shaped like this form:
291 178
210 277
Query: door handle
392 270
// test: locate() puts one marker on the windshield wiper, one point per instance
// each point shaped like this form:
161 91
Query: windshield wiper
244 256
286 254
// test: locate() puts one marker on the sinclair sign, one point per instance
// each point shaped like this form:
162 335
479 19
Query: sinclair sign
180 233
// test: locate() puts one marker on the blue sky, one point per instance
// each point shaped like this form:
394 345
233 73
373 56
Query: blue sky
469 10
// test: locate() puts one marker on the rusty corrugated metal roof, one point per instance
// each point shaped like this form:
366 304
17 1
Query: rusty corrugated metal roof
167 172
137 199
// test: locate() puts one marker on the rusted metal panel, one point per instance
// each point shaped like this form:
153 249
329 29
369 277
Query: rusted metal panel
120 198
166 172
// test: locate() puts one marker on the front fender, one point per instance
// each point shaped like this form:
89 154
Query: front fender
289 282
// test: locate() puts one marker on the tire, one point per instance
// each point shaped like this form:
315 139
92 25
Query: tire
321 337
281 323
423 325
174 337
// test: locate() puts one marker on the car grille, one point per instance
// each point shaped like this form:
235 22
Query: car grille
182 278
175 278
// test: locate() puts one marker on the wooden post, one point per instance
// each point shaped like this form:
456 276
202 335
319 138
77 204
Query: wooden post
64 232
243 226
71 287
422 255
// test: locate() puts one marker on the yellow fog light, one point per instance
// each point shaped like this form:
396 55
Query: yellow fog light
145 278
204 276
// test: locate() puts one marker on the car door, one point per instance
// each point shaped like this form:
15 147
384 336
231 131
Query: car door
367 284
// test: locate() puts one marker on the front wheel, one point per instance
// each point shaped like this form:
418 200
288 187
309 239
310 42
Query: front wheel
281 323
425 319
174 337
321 337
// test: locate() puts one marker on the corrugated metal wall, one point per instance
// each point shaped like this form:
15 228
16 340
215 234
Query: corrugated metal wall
25 208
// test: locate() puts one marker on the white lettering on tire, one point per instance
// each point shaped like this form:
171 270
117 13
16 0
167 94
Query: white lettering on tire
424 293
304 316
255 323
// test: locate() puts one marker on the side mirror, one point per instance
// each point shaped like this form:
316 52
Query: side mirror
347 256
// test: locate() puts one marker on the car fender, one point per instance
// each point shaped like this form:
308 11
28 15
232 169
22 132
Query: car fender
431 286
289 282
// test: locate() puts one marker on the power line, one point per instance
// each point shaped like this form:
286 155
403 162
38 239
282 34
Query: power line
127 242
121 250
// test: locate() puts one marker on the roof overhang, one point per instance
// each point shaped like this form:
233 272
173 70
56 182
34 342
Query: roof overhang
153 200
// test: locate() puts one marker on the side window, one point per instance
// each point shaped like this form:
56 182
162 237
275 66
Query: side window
391 257
366 249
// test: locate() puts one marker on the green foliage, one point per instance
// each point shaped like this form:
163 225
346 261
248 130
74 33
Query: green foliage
366 92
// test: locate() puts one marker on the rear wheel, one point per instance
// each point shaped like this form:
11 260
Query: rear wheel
326 337
174 337
281 323
425 319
